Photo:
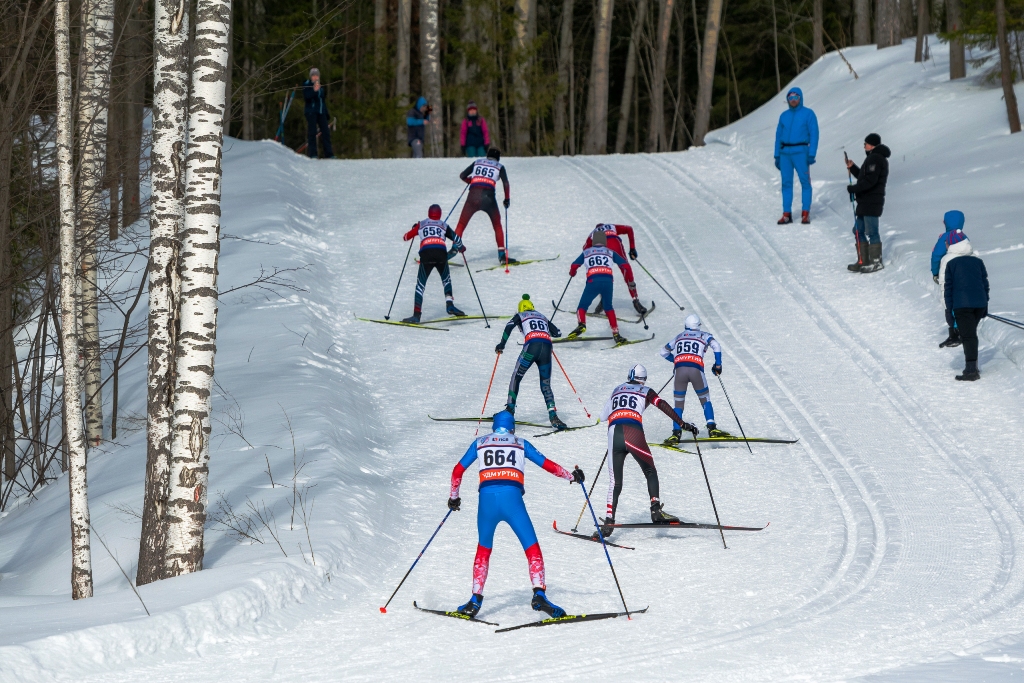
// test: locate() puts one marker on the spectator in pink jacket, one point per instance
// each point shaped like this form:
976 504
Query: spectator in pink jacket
474 137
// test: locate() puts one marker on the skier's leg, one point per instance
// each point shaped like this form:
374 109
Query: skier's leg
616 458
606 289
421 284
491 208
700 385
636 442
446 280
803 170
488 514
518 518
590 292
522 365
679 390
471 206
544 369
786 163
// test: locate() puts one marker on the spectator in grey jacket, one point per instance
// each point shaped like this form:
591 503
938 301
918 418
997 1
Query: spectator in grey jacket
966 294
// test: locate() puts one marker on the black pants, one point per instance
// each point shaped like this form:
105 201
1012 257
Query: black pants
538 352
431 258
623 440
312 121
950 322
967 320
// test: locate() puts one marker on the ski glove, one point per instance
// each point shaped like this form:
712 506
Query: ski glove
577 475
572 270
810 161
633 254
717 369
506 202
454 504
935 278
778 164
499 348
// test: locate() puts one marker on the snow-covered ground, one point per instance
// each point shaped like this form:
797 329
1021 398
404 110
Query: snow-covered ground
897 520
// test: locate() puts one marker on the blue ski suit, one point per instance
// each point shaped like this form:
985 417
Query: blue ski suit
796 145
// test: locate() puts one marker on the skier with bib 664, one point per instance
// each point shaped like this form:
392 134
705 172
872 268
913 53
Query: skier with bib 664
686 352
613 236
503 457
624 413
599 260
433 254
537 332
482 176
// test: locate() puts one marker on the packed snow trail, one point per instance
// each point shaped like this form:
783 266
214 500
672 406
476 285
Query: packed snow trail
897 520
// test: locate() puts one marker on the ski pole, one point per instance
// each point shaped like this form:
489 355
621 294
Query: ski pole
658 283
734 414
506 240
456 204
404 264
1011 323
497 357
710 495
603 545
670 378
593 484
853 205
570 384
384 609
486 321
560 298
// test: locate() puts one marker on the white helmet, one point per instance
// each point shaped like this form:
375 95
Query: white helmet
638 374
692 322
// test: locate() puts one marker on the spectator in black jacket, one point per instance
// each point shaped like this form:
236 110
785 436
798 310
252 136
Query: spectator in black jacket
966 294
316 115
870 192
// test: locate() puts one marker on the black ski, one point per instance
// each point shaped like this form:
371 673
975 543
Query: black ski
686 525
558 431
617 317
554 525
454 615
572 619
485 418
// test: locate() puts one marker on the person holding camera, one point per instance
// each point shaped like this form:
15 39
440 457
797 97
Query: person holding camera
316 112
415 121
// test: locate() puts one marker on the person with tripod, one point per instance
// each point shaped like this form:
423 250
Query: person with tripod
415 121
870 193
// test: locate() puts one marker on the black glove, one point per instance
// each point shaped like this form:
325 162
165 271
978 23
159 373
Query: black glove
633 254
849 188
717 369
454 504
506 202
691 428
462 249
577 475
499 348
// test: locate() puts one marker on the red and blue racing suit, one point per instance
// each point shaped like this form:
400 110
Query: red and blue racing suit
599 262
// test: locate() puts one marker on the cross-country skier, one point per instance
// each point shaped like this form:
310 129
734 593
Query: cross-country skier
613 234
687 351
482 176
537 331
503 458
624 413
433 254
599 260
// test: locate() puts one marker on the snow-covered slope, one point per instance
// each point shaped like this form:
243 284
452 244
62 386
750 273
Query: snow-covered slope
896 520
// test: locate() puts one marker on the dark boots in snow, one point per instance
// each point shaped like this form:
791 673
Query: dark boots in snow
874 260
556 422
970 373
862 258
805 217
715 433
580 330
414 318
952 340
471 608
450 306
606 529
787 217
658 514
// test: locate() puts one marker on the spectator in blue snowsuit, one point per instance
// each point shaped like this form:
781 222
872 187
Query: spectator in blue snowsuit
415 120
316 112
796 144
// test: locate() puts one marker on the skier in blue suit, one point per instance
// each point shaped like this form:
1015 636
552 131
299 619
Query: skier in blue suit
796 145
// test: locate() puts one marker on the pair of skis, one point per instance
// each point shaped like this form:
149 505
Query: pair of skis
426 324
567 619
519 263
520 423
619 318
655 525
567 340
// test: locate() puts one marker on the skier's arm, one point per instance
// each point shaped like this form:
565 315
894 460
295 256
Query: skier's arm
574 266
623 264
812 128
515 322
460 468
606 411
590 241
668 354
555 332
465 174
412 233
855 170
865 180
627 230
938 251
454 237
537 458
662 405
717 349
504 181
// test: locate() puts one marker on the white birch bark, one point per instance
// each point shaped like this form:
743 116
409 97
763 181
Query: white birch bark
81 556
524 25
403 31
94 108
430 73
565 56
170 106
702 116
656 130
197 340
596 140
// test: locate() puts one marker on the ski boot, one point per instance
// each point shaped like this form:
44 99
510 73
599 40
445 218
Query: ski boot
450 307
414 318
715 433
556 422
598 309
677 436
862 258
874 259
541 603
606 529
658 514
952 340
970 373
472 608
579 331
787 217
511 409
619 339
639 307
502 258
805 217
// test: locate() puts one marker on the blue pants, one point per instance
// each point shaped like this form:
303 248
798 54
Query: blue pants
600 285
866 229
312 121
795 161
503 503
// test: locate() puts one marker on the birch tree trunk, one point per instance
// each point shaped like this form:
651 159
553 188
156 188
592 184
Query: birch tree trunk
380 32
197 341
403 38
525 27
706 74
922 29
94 107
818 21
466 72
656 131
1006 68
81 557
430 73
565 57
862 22
487 32
170 106
957 59
629 79
596 140
887 23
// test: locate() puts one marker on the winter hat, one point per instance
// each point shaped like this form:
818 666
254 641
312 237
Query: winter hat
314 72
873 139
434 212
954 220
471 105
